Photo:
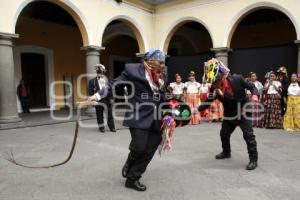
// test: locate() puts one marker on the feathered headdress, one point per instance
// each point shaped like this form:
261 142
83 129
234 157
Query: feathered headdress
214 68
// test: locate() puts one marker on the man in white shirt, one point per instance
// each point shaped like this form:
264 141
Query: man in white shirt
100 84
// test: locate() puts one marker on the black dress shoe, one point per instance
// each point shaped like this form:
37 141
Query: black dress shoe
113 130
223 155
252 165
102 130
135 184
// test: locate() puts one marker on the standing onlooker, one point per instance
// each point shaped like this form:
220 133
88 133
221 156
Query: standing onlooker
284 80
99 84
272 103
204 92
176 88
292 116
23 92
256 115
192 97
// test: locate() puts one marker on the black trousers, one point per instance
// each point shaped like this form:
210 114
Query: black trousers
228 126
25 104
142 148
99 112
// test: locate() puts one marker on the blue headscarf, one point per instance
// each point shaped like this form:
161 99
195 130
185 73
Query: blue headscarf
155 54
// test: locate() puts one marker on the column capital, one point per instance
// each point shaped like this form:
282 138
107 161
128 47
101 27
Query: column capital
6 39
92 48
8 35
221 50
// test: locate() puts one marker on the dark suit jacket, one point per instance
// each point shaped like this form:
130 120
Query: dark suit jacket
94 88
145 103
233 103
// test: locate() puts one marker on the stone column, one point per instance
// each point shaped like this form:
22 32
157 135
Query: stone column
8 91
222 54
297 42
92 58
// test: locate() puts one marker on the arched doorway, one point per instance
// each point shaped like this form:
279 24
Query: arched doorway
188 47
262 41
48 52
121 46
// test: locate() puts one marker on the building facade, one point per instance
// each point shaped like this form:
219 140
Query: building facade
52 44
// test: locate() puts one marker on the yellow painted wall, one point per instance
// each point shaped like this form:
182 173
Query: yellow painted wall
65 41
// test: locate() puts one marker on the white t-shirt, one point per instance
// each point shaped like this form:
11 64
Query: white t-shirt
177 88
294 89
272 89
192 87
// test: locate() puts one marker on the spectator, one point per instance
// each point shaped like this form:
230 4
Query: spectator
192 97
256 115
272 103
284 80
23 92
204 92
100 84
176 88
292 116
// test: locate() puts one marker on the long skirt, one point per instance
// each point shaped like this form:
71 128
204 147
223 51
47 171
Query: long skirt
203 98
256 112
272 116
193 101
215 111
291 120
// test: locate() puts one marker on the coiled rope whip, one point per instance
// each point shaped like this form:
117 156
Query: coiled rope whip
10 156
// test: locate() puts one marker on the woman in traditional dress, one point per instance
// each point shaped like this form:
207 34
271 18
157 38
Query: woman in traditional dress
292 116
256 114
176 88
192 97
204 92
272 103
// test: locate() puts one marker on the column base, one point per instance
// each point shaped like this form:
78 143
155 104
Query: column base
14 119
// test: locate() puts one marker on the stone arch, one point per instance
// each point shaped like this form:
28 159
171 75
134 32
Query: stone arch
252 8
71 9
134 27
164 44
